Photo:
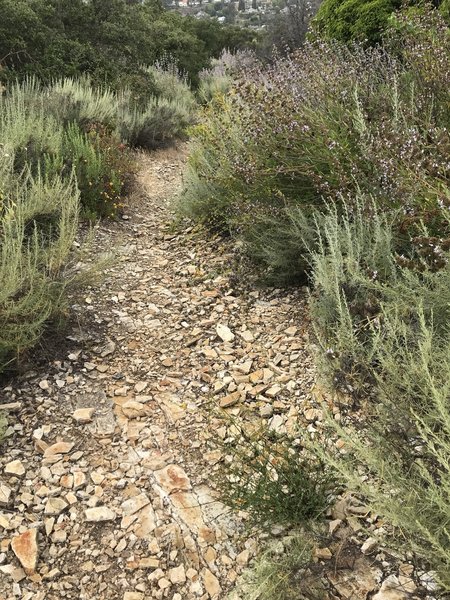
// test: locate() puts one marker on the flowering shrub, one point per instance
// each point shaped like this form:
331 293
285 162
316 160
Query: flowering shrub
103 166
336 160
326 123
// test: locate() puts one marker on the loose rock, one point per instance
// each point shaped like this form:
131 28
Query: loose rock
25 547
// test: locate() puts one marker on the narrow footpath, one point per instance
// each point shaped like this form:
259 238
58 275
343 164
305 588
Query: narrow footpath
109 471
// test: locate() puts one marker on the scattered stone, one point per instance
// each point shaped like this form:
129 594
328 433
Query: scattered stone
357 582
11 406
334 525
97 477
247 336
83 415
177 575
212 584
149 563
313 414
133 409
164 583
25 547
108 349
129 507
230 400
15 467
369 546
99 514
133 596
79 480
225 333
172 478
52 574
391 590
429 581
323 553
17 574
243 558
274 391
58 448
140 386
55 506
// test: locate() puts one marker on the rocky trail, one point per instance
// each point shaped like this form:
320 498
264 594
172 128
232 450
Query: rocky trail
109 472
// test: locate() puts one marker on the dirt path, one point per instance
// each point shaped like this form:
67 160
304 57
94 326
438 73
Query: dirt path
118 501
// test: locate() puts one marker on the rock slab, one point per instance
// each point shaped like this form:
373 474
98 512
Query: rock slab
25 547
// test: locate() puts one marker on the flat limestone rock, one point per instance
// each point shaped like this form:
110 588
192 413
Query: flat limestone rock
5 494
55 506
25 547
172 478
230 400
99 514
132 505
212 584
225 333
58 448
83 415
133 409
15 467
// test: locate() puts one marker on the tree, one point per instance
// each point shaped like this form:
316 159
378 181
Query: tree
108 39
361 20
287 30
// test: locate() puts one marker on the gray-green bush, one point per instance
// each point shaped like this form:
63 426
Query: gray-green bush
39 220
61 146
165 117
383 332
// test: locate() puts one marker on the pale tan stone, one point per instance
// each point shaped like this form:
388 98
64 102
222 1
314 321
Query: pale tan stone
25 547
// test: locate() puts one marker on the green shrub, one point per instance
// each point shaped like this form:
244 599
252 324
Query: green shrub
39 221
165 116
218 79
274 481
77 100
355 19
27 129
102 167
212 85
356 271
327 123
160 123
383 332
46 160
360 20
353 260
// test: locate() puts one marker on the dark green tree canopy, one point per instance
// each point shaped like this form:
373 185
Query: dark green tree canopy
108 39
361 20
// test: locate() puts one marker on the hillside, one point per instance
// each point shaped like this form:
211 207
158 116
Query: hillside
224 302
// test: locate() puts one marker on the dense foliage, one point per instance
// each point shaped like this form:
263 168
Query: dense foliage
362 20
109 39
332 163
328 122
382 330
